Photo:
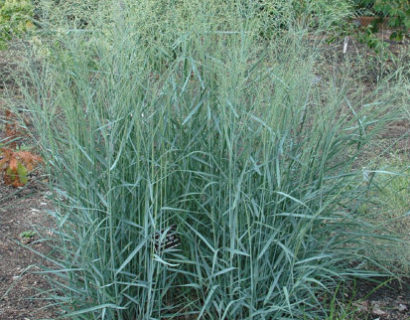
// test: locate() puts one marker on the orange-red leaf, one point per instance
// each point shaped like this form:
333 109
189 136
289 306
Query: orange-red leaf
10 163
13 164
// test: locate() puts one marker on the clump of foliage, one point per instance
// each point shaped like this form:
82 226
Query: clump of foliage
175 113
15 165
395 13
15 19
28 234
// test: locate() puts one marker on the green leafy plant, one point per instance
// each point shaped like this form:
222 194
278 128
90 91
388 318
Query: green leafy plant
395 13
368 37
15 19
28 234
398 13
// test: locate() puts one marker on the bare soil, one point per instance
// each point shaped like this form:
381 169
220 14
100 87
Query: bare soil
21 211
390 302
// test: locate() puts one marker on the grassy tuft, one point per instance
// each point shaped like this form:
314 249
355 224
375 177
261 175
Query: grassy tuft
390 211
160 113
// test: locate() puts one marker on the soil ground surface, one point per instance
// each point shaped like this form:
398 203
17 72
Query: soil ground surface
22 209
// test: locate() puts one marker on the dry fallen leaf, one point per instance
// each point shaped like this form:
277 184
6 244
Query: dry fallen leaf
362 306
378 312
376 309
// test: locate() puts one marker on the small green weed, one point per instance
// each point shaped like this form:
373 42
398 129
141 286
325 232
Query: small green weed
28 234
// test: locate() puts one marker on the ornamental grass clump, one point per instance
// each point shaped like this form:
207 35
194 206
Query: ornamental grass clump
185 121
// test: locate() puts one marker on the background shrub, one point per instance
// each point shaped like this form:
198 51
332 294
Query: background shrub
15 19
397 13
